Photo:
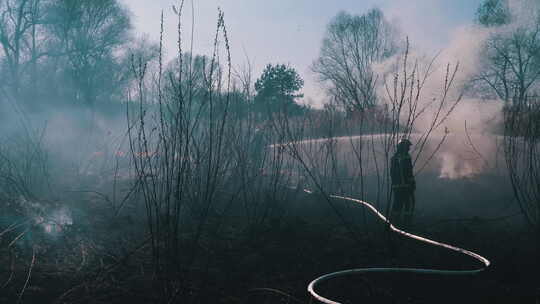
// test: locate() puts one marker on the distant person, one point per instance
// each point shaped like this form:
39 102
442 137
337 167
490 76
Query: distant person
403 184
258 147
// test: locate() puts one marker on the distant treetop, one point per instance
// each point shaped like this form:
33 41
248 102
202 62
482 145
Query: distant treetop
278 87
493 13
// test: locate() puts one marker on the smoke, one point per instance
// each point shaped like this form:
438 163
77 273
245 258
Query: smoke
56 221
466 50
474 118
523 12
50 220
463 53
50 154
453 168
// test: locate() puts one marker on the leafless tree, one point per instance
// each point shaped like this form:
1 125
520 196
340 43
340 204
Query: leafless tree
332 170
352 45
84 38
512 69
510 66
493 13
522 154
19 30
75 43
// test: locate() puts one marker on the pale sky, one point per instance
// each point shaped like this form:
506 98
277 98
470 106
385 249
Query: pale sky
291 31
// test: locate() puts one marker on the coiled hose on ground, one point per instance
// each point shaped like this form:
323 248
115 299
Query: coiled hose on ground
314 283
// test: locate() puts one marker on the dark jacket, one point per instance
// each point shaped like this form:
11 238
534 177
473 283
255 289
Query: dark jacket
401 171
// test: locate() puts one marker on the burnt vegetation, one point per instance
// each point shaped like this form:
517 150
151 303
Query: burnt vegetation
128 177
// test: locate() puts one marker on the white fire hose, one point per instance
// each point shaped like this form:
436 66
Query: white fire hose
317 281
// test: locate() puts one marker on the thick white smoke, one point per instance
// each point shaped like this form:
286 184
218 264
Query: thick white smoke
474 117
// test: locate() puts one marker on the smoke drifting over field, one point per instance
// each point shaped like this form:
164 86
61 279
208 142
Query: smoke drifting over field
131 172
88 144
477 114
464 52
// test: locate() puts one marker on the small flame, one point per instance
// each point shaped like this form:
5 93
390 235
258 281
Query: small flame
98 153
453 167
57 221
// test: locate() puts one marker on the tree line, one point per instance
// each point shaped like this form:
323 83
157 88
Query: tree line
81 52
66 52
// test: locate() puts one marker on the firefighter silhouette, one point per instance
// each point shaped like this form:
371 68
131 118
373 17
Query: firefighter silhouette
403 184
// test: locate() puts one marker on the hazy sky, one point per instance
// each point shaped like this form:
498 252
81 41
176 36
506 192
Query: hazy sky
291 31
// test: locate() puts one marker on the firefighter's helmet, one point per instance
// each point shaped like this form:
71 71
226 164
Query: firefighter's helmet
404 143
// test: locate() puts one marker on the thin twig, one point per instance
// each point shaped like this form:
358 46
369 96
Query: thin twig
29 275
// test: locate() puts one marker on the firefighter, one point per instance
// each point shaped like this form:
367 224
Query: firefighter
258 147
403 184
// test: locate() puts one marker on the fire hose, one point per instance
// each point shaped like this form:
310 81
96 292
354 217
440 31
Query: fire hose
313 284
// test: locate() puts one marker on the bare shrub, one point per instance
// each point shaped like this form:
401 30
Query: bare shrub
522 154
199 160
